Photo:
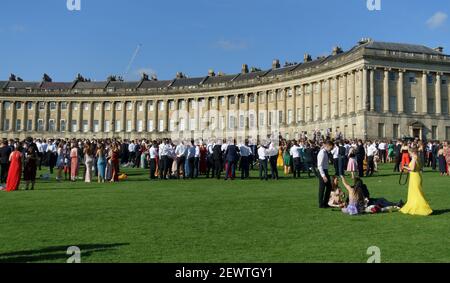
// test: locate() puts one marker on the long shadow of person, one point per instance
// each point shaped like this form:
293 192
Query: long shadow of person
55 253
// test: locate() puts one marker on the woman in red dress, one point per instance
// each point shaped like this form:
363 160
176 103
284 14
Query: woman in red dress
15 168
405 155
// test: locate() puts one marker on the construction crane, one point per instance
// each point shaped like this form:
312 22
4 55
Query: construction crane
136 52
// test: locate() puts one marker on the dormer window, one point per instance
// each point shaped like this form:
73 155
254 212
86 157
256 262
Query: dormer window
110 89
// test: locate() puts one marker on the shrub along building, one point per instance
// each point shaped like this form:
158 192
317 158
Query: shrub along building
373 90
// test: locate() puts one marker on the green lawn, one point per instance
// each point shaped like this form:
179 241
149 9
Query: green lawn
216 221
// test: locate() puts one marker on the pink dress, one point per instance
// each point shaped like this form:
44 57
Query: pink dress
352 165
74 163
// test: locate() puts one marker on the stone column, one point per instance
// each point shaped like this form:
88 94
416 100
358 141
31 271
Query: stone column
364 101
294 98
275 117
344 94
58 116
24 116
155 116
91 117
113 117
285 108
400 92
424 93
124 116
134 117
256 94
336 96
101 122
46 116
386 91
329 99
12 121
237 101
438 94
353 92
267 112
36 116
1 115
69 117
197 115
80 116
247 113
166 115
319 102
302 103
311 104
145 122
372 89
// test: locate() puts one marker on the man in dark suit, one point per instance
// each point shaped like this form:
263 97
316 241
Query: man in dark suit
5 152
231 157
397 156
360 156
217 159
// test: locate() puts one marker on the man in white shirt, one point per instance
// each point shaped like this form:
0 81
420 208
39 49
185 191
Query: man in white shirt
262 156
295 153
273 155
51 155
180 151
152 154
324 179
371 151
382 150
197 160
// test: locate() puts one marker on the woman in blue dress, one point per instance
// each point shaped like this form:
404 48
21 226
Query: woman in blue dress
101 163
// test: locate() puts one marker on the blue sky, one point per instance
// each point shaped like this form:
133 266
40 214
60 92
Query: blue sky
197 35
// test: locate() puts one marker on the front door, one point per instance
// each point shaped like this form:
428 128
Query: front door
416 133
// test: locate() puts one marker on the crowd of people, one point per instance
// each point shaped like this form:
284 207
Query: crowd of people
102 159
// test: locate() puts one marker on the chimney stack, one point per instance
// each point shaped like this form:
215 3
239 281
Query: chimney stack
244 69
337 50
211 73
307 57
439 49
275 64
180 75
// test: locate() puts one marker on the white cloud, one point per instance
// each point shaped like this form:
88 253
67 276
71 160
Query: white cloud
229 45
437 20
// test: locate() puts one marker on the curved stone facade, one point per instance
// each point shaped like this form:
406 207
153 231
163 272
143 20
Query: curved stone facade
374 90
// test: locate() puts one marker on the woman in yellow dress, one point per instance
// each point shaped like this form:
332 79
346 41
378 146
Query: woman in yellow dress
416 203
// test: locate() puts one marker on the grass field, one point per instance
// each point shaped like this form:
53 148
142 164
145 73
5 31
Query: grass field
208 220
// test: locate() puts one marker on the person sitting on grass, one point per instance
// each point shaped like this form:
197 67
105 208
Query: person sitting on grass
375 205
355 204
337 196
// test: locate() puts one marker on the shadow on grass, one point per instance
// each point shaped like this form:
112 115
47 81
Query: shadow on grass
55 253
441 211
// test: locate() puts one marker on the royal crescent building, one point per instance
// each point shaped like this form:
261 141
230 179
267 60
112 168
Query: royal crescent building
374 90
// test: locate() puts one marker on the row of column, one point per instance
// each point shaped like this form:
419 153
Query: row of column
329 105
400 91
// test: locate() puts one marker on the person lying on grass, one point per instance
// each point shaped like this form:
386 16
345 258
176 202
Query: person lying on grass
374 205
359 200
